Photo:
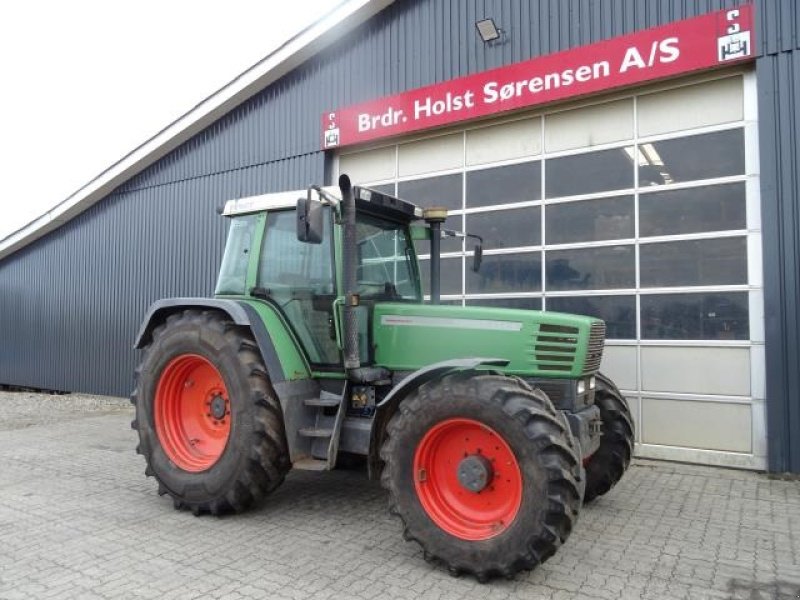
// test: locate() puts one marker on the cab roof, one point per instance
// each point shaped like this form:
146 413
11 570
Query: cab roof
367 200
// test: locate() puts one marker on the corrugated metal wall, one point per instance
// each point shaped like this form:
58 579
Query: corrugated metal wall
778 76
70 302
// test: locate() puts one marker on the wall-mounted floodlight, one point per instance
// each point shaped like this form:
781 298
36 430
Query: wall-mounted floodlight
487 29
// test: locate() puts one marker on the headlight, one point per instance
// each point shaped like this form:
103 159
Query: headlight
581 387
592 382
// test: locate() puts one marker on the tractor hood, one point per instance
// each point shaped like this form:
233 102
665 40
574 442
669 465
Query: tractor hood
408 337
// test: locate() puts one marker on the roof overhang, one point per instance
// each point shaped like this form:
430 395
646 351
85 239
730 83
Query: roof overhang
289 56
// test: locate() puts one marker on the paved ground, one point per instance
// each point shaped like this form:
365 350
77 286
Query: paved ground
78 519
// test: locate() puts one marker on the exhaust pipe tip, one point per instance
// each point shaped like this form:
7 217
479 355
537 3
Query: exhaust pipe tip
344 183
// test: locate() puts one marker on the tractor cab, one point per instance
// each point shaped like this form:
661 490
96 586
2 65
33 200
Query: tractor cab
294 253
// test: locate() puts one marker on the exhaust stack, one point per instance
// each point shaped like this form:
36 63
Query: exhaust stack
352 355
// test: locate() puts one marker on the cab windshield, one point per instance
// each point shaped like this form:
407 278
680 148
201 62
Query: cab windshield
386 262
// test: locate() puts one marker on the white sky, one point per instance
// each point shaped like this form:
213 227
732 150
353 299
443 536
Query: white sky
83 82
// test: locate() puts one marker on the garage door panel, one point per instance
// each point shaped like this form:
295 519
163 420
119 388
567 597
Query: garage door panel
506 141
692 370
435 154
619 363
697 424
590 126
373 165
699 105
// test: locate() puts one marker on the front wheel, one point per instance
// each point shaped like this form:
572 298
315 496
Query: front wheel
210 427
484 474
606 467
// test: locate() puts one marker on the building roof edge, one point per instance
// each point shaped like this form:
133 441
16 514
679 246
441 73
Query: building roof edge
287 57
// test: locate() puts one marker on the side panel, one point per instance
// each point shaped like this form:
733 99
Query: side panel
408 337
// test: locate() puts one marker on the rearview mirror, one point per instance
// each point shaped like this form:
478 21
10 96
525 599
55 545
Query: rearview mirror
478 258
309 221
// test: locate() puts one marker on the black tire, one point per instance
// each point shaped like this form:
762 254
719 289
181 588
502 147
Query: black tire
607 466
551 473
254 460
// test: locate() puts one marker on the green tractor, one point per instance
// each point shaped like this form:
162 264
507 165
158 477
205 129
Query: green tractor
489 427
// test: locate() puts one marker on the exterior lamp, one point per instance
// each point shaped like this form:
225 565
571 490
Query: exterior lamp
488 31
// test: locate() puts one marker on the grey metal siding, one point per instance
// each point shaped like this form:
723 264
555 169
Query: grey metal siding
70 302
778 78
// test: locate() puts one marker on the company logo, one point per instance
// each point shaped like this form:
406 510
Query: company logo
736 42
331 137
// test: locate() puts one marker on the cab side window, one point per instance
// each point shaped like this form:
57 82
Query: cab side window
299 278
233 271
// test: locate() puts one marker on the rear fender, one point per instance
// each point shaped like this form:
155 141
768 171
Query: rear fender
239 312
388 406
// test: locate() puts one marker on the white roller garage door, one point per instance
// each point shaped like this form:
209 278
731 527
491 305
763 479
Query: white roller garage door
642 209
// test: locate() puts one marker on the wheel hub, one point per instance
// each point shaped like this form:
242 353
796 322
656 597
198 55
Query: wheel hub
191 408
475 473
467 479
218 407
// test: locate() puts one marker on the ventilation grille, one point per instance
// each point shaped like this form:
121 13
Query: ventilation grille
554 348
594 354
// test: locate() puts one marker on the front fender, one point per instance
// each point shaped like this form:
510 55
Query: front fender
387 407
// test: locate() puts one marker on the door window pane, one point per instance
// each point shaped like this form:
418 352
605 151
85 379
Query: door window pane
506 273
503 185
589 173
619 312
444 190
707 208
590 220
694 157
610 267
523 303
384 267
299 278
694 262
506 228
713 316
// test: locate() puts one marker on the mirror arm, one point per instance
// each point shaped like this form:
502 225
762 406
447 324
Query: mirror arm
461 234
323 195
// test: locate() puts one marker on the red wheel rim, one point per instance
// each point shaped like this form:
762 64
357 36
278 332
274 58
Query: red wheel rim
192 413
465 513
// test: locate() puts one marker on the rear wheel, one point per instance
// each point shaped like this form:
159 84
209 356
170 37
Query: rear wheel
210 427
484 474
607 466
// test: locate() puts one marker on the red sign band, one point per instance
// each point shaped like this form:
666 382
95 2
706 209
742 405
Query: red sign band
711 40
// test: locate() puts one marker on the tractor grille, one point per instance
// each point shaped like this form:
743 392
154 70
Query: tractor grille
554 348
594 354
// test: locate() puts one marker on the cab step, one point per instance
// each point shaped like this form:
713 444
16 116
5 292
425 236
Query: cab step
310 464
325 400
315 432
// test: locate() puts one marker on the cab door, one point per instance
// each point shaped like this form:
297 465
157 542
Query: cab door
298 277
